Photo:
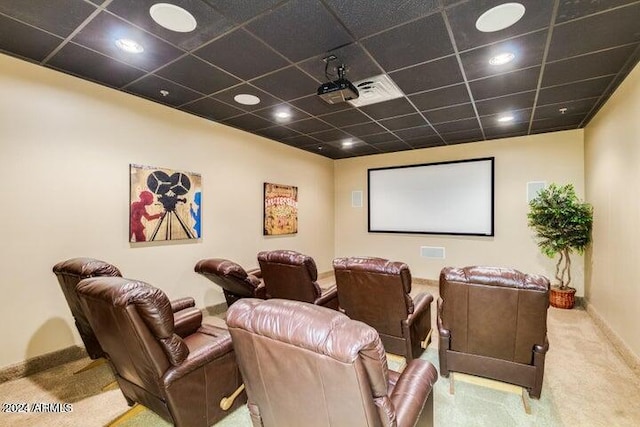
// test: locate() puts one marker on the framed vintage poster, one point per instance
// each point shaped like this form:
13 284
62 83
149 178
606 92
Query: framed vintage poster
164 204
280 209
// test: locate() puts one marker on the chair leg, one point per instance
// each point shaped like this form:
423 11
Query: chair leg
227 402
93 364
111 386
452 388
135 410
525 401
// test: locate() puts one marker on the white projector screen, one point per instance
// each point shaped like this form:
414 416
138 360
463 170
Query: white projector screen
436 198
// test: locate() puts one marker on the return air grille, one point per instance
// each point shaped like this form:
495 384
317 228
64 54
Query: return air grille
375 89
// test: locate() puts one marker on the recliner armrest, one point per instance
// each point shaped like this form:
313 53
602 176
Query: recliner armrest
421 303
255 272
412 390
182 303
441 330
187 321
328 294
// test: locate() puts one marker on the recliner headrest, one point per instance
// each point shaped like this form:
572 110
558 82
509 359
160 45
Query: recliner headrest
290 258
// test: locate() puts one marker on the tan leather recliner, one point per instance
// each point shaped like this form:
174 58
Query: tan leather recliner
235 282
376 291
493 323
73 270
292 275
306 365
181 379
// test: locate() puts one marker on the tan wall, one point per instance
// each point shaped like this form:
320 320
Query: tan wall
65 149
553 157
612 165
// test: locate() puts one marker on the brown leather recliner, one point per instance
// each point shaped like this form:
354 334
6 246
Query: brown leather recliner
181 379
292 275
305 365
73 270
376 291
493 323
235 282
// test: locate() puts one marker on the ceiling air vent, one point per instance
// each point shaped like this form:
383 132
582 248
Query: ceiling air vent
375 89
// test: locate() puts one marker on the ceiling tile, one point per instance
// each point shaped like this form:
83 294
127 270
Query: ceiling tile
228 96
26 41
549 111
151 86
287 84
309 126
426 142
437 98
415 133
364 129
231 52
270 113
240 11
359 64
404 122
443 72
463 136
390 147
102 32
94 66
316 106
501 104
602 63
300 29
198 75
278 132
528 51
330 135
563 121
368 17
348 117
59 17
379 138
504 84
613 28
412 43
210 23
212 109
300 141
447 114
395 107
573 91
457 126
572 9
248 122
463 21
514 129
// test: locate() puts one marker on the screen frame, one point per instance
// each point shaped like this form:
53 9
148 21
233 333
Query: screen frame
482 159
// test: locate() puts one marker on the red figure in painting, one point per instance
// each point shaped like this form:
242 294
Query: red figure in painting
139 210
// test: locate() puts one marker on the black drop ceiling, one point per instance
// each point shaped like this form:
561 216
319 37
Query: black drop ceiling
570 56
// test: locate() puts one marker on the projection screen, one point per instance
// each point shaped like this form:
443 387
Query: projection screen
437 198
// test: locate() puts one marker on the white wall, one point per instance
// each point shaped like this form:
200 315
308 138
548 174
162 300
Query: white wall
612 164
65 149
552 157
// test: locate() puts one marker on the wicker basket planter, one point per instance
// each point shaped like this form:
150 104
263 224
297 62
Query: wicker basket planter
562 298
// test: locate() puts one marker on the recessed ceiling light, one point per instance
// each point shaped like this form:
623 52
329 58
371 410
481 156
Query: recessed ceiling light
129 46
173 17
500 17
283 115
501 59
246 99
506 118
347 144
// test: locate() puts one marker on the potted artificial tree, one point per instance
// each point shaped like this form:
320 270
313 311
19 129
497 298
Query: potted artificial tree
562 224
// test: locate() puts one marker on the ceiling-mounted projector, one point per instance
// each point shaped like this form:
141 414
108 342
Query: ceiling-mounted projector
339 90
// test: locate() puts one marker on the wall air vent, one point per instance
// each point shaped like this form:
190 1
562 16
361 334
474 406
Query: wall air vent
375 89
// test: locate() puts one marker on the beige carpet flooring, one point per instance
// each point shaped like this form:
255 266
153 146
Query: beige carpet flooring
586 384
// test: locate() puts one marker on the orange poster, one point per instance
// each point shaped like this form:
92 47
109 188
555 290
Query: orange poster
280 209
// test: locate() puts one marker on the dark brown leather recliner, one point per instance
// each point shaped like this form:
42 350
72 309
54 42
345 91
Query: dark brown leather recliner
292 275
376 291
493 323
181 379
305 365
235 282
72 271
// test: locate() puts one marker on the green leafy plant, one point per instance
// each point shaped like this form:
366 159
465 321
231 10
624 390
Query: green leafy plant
562 224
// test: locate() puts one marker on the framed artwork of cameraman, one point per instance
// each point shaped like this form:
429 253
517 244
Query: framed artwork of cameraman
164 204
